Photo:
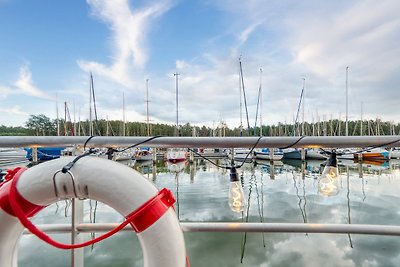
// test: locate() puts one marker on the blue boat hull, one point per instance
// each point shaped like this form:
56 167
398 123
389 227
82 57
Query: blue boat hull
45 153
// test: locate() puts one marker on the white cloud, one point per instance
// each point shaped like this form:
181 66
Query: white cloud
129 29
244 35
16 110
25 85
5 91
355 37
317 40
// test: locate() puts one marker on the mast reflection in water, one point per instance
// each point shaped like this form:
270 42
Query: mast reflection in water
291 197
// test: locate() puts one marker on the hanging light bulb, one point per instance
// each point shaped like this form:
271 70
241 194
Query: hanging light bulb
237 202
328 184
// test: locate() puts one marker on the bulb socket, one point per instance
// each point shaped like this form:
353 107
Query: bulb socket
234 177
332 161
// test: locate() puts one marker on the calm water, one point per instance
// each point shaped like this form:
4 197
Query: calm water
284 192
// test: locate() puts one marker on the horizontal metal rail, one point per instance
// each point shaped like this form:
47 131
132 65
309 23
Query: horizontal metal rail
210 142
390 230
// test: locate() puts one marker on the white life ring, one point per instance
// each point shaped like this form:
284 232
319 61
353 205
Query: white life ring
107 181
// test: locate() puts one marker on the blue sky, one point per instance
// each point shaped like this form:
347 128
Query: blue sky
48 48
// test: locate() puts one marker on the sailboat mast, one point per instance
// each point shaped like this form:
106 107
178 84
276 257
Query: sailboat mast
147 107
296 125
261 103
107 126
347 101
90 106
240 99
74 124
58 120
303 94
65 119
244 96
123 114
176 96
361 124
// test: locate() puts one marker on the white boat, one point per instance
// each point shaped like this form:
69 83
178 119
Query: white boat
291 153
143 154
11 156
347 153
243 154
176 167
312 153
212 152
123 155
373 154
265 153
394 153
176 155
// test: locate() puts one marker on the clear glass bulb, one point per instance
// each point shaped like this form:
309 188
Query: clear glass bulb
237 201
328 183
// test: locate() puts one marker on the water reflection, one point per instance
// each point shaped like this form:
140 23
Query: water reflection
276 192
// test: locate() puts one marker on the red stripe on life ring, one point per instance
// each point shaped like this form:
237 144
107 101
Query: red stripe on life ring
28 208
147 214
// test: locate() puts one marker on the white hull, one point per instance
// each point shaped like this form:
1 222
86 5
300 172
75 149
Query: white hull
265 156
242 153
176 155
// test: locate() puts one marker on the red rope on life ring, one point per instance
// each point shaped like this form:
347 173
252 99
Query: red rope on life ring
140 219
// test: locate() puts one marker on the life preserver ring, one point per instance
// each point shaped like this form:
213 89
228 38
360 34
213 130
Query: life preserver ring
112 183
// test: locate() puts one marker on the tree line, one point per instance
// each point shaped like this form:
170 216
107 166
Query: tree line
40 125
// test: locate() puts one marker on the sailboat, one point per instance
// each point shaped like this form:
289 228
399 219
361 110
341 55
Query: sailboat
264 153
145 153
295 153
176 154
373 155
309 153
242 154
124 155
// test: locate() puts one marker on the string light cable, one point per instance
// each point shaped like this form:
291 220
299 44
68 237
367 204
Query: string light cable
232 163
362 150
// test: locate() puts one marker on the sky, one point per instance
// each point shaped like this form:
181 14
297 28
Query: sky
49 48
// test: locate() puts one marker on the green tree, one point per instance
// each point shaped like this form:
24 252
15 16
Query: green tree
41 125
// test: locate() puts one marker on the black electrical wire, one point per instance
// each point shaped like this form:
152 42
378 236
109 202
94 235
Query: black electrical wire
205 158
291 145
362 150
137 144
67 167
87 141
232 165
248 154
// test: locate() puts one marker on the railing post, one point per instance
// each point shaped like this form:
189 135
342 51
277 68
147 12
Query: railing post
34 155
303 153
77 257
271 154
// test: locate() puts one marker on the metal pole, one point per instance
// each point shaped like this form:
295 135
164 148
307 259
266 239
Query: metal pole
35 155
147 107
347 102
390 230
302 125
77 257
123 114
361 122
90 105
240 98
176 95
261 103
210 142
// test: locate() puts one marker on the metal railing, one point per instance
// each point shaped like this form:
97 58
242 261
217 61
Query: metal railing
366 229
210 142
213 142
